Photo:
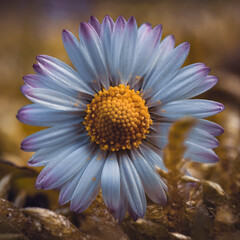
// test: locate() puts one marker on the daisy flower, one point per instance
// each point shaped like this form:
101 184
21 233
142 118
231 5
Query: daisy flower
109 116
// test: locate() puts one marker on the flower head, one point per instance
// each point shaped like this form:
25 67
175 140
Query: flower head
108 119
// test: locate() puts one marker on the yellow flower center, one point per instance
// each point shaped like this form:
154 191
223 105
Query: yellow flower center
117 118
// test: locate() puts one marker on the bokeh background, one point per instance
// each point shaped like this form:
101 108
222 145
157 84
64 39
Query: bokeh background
33 27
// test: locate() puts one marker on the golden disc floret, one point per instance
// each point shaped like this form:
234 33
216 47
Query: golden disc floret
117 118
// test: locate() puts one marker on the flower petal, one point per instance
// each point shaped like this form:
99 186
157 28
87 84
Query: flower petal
152 154
55 100
38 115
133 215
96 25
196 135
89 184
46 82
53 160
152 183
147 49
167 68
50 137
106 38
186 79
127 54
80 58
110 182
43 155
122 207
62 73
190 107
202 87
164 50
117 39
143 31
195 152
200 154
93 45
210 127
64 169
132 185
69 187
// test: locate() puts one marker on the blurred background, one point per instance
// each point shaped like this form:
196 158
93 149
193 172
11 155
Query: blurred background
33 27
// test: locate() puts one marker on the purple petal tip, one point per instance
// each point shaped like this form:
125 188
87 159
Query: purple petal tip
65 33
148 24
132 19
84 29
24 89
221 107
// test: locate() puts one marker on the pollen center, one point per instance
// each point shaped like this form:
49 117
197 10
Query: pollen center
117 118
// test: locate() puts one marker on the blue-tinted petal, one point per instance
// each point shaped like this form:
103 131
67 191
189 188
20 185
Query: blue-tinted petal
117 39
200 154
132 185
110 182
152 154
64 74
196 135
146 51
191 107
80 58
127 54
167 69
93 45
152 183
210 127
143 31
122 207
186 79
89 184
95 24
69 187
38 115
106 38
202 87
43 155
163 51
64 169
50 137
53 160
55 100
